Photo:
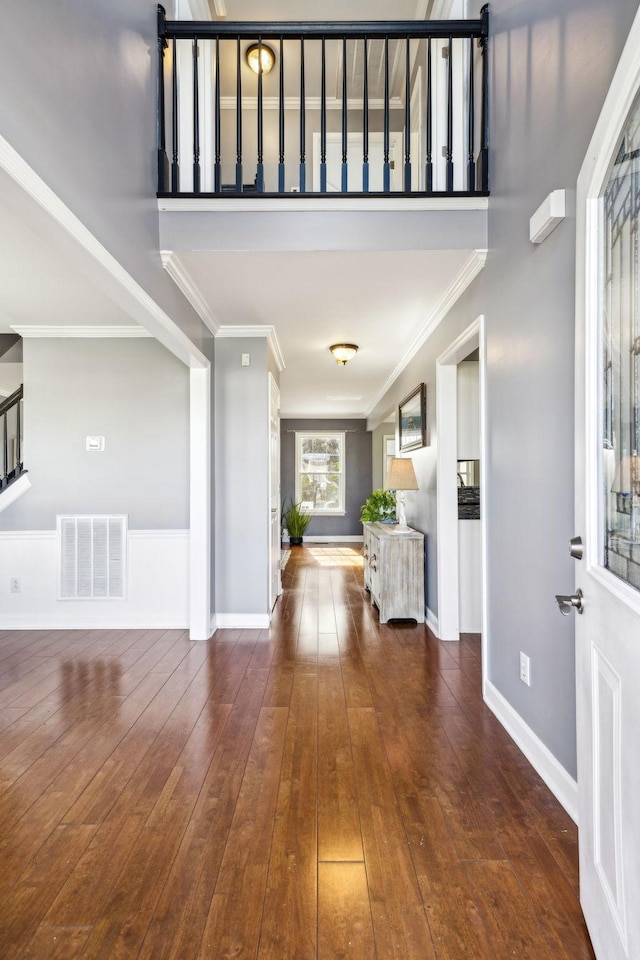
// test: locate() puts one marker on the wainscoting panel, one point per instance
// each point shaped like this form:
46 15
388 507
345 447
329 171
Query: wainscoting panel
157 594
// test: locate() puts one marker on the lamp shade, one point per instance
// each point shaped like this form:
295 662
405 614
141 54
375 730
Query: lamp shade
401 475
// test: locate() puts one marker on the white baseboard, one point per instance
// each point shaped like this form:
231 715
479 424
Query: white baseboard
562 785
432 622
240 621
314 538
157 588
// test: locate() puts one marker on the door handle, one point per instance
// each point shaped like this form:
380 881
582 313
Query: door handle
567 604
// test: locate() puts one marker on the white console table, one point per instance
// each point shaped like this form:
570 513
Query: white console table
394 571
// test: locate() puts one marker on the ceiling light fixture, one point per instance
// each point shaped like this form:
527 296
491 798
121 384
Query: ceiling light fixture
258 52
343 352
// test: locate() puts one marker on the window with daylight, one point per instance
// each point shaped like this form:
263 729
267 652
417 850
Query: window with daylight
320 472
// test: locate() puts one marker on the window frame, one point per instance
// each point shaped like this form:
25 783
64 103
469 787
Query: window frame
340 435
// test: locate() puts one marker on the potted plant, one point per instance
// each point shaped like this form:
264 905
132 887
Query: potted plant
296 520
380 507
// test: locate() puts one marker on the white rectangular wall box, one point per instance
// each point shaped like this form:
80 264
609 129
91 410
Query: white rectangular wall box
549 214
95 444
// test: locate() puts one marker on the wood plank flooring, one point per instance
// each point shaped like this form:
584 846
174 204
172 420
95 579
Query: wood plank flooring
331 788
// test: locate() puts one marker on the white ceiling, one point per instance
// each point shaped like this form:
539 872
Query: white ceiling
379 300
244 10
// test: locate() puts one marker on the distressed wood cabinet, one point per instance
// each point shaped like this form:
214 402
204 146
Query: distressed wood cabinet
394 572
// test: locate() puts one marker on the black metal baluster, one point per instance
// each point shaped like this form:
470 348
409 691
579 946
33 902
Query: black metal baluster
175 165
450 117
163 160
196 119
238 119
281 177
5 458
365 122
471 164
407 118
303 124
260 168
344 179
18 464
323 122
428 171
386 173
217 168
483 159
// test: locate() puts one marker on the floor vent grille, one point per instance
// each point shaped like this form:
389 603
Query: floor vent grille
92 557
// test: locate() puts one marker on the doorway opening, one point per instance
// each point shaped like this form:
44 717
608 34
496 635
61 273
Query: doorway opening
461 551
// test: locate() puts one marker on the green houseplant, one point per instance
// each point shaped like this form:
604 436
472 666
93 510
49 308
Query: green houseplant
379 507
296 520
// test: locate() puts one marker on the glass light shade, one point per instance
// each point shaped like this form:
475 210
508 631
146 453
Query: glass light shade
257 52
343 352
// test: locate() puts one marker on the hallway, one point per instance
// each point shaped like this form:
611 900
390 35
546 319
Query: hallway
329 789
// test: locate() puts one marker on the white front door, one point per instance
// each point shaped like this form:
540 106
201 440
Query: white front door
608 519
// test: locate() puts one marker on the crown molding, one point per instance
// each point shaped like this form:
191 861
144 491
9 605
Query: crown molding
456 288
186 284
53 331
221 8
256 330
292 415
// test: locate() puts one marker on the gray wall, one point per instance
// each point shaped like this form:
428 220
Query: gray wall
551 65
82 114
132 392
241 464
357 479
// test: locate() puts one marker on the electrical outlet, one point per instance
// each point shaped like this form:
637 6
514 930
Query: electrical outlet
14 585
525 669
246 359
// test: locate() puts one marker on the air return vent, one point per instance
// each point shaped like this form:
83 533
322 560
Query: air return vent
92 558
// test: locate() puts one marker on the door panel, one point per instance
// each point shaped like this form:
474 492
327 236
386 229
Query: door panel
607 485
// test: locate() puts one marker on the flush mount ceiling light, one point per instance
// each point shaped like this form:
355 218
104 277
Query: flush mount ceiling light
257 52
343 352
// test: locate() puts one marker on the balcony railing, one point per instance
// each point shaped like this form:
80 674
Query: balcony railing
11 466
349 108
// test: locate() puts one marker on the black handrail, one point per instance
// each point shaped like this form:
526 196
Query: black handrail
450 158
10 469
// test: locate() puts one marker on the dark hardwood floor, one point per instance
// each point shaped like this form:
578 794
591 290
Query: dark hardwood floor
329 789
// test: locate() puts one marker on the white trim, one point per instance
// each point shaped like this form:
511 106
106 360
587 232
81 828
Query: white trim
175 533
241 621
447 500
15 490
562 785
331 415
311 103
48 622
21 535
312 203
221 8
186 284
38 331
138 302
549 214
257 330
200 402
432 622
314 538
199 10
465 277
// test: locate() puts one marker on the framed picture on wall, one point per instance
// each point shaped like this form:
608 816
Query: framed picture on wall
412 420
